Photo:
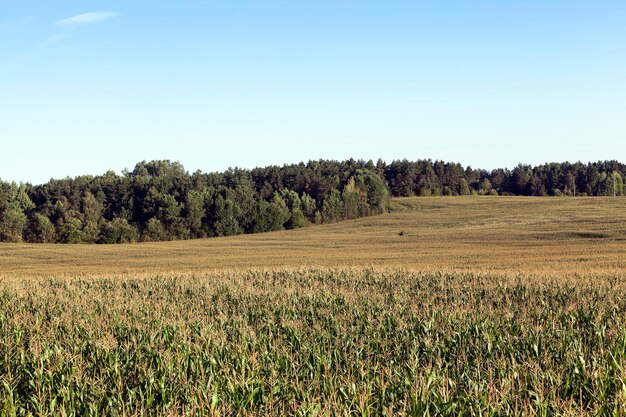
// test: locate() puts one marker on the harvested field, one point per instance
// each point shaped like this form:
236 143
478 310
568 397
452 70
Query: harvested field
512 235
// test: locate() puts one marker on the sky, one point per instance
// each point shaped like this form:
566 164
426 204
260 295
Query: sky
91 86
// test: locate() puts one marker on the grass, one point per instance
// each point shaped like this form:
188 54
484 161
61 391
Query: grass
518 235
448 306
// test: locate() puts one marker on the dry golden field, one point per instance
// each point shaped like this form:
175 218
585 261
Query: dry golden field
513 235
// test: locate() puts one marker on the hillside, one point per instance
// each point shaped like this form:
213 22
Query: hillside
505 234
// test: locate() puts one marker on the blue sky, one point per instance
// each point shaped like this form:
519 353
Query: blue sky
88 86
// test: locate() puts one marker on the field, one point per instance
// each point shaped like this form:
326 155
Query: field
509 235
448 306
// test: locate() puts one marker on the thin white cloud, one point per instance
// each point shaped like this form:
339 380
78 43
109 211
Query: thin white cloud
85 18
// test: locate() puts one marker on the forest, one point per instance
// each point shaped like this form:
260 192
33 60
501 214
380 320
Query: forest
160 200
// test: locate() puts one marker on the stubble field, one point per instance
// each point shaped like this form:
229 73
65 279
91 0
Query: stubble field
510 235
446 306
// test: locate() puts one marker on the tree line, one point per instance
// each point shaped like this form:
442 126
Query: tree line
160 200
428 178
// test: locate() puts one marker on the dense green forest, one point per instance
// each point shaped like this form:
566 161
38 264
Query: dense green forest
159 200
426 178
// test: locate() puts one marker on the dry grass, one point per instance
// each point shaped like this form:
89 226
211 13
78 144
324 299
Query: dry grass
513 235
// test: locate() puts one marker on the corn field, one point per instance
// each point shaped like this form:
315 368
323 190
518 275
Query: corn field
313 342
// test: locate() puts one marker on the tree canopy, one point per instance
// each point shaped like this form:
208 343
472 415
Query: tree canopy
160 200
